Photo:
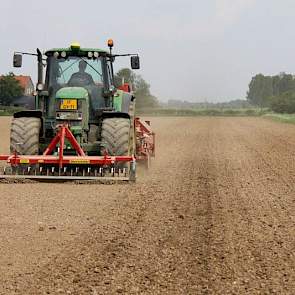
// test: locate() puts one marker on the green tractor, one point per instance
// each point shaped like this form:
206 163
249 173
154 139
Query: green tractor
78 91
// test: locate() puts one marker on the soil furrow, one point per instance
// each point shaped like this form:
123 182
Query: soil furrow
214 215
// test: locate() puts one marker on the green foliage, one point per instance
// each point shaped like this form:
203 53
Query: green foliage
9 89
203 112
233 104
125 75
262 88
144 98
284 103
284 118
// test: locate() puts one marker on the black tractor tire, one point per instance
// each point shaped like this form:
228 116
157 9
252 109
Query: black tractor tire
116 137
24 135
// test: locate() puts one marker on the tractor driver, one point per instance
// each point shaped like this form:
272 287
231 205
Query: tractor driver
81 78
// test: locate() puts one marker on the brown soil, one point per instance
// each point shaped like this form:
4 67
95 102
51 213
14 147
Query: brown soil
214 215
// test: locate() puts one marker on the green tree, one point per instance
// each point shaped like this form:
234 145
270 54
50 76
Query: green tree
125 75
260 90
276 85
286 83
9 89
284 103
144 98
272 91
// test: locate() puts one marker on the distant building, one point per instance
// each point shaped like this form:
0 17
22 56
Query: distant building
26 100
26 83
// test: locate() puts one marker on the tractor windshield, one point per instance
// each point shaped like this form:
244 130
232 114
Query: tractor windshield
75 71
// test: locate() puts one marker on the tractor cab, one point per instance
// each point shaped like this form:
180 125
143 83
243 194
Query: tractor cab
77 78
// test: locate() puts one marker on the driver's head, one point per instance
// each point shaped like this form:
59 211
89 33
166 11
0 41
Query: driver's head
82 66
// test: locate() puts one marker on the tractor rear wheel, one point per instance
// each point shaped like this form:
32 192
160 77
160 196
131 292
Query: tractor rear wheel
24 135
115 136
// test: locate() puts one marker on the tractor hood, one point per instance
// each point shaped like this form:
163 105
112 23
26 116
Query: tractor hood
72 93
72 104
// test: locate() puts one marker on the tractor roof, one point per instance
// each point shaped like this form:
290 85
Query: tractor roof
69 49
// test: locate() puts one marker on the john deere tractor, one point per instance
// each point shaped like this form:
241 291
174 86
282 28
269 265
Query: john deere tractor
77 90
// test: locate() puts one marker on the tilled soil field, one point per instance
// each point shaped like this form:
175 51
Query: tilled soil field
214 215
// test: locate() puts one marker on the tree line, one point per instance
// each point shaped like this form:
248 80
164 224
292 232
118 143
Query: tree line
276 92
183 104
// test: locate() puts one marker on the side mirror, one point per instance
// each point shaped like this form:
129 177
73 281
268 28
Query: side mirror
135 64
17 60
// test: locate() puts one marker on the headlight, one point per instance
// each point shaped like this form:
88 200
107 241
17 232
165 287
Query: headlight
40 86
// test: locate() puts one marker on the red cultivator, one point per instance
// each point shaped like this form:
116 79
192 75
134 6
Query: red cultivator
57 166
145 142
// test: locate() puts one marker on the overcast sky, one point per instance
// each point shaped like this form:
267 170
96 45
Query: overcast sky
192 50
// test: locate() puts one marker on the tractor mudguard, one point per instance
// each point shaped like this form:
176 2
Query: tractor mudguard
107 114
28 113
122 101
126 101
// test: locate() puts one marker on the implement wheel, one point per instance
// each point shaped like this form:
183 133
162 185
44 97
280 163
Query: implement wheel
24 135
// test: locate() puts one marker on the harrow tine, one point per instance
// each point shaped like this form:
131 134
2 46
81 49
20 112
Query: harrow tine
64 173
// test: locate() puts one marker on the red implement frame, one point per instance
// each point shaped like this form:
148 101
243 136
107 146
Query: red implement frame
145 140
61 160
145 137
145 149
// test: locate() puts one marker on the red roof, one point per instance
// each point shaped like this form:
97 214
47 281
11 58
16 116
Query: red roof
23 80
